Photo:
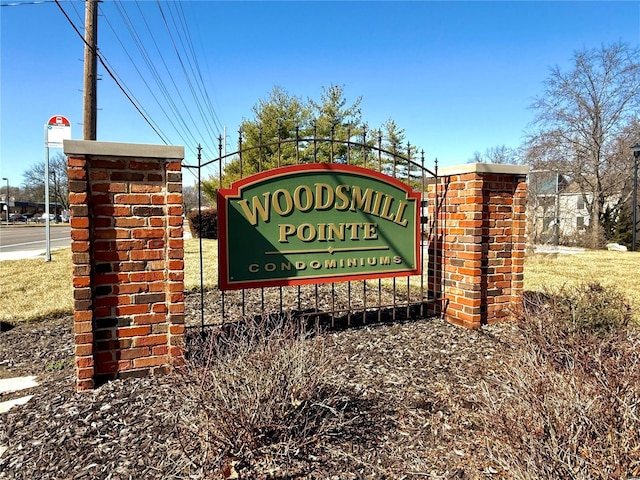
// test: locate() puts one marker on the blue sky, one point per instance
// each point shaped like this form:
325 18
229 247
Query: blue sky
458 77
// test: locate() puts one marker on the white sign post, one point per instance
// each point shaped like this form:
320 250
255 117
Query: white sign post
56 131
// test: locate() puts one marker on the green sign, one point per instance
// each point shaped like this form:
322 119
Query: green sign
316 223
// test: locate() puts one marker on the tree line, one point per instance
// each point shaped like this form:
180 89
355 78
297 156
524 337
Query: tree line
282 116
585 120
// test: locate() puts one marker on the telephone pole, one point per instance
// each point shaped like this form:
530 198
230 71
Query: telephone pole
90 120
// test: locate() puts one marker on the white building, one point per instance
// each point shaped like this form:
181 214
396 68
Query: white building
557 208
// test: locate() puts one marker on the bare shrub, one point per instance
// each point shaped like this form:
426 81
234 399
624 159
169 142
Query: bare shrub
252 396
567 403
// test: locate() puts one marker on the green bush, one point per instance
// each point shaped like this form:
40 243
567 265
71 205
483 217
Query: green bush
205 221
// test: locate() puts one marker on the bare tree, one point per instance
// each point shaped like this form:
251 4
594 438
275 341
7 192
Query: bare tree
498 154
580 116
476 158
33 182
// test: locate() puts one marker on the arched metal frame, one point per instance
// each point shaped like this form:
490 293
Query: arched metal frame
371 154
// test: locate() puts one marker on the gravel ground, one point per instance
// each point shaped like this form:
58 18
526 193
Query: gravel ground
413 386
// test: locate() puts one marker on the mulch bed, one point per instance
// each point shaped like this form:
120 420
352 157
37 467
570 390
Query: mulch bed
413 389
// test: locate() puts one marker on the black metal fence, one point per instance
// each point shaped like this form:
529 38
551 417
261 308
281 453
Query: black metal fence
344 303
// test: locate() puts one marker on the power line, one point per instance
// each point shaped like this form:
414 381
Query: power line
169 98
183 44
135 66
19 4
203 90
147 60
185 37
80 17
108 70
182 65
172 103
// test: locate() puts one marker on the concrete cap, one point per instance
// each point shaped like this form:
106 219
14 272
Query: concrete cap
113 149
484 168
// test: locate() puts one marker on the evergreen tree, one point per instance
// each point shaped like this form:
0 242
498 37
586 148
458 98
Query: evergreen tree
270 138
334 119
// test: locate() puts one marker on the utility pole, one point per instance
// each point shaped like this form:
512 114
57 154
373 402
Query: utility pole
90 70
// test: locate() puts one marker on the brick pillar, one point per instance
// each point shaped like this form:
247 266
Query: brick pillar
481 230
128 258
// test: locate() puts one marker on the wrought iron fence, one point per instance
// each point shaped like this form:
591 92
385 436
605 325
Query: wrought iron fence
345 303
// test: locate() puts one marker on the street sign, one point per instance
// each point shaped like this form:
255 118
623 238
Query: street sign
56 130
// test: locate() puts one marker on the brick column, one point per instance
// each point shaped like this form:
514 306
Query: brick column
481 229
127 251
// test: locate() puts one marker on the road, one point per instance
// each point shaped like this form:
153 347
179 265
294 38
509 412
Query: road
29 241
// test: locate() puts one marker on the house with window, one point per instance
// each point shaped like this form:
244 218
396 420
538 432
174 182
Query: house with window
557 208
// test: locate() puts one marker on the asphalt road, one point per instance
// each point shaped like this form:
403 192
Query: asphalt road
20 241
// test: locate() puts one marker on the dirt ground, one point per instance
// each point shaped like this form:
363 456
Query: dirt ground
413 386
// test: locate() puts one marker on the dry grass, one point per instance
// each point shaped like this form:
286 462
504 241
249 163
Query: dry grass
192 263
35 289
619 269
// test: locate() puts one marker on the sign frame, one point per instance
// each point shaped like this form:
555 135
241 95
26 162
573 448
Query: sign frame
378 215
